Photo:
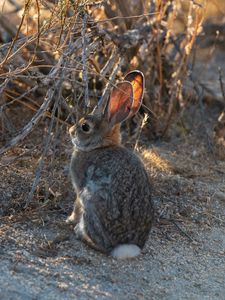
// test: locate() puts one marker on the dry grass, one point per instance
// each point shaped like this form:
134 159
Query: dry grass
153 160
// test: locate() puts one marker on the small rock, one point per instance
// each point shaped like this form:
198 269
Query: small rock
194 153
220 195
62 285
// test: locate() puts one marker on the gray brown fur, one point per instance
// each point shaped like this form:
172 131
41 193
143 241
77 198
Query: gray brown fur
113 197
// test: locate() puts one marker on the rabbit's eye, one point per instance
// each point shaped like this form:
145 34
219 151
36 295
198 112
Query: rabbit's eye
85 127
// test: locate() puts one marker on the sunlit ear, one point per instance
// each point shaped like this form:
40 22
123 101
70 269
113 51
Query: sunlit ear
120 102
136 78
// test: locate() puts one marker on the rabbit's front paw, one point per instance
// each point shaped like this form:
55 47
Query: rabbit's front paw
79 230
71 219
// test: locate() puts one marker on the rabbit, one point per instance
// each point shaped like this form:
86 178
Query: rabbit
113 211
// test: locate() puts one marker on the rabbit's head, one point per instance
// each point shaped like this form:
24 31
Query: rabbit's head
101 128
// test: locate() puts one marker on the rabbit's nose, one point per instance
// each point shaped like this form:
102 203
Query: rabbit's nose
72 130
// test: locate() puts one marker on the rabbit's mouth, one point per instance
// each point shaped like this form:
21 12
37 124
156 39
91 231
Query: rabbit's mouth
85 146
78 144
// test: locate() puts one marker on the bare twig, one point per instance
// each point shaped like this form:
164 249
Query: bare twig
221 84
182 231
45 58
103 101
26 7
110 63
128 17
46 146
33 122
143 123
85 61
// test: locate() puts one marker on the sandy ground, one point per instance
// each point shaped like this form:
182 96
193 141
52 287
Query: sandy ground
184 257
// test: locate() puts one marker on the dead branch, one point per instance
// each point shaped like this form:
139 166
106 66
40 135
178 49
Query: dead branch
105 94
45 58
33 122
85 61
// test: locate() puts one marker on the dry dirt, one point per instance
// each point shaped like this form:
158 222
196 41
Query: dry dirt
184 257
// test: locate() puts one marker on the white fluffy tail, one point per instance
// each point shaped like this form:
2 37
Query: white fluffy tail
125 251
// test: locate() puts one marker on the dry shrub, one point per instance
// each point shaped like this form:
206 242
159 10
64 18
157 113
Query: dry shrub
57 57
70 49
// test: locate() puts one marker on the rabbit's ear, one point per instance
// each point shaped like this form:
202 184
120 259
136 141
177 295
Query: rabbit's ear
120 102
137 80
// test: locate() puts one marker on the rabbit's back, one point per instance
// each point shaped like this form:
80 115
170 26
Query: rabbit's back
115 193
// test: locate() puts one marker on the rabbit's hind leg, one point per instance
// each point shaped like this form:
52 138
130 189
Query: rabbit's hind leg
91 230
96 237
83 234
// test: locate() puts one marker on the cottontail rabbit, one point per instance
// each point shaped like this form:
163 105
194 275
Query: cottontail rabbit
113 212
